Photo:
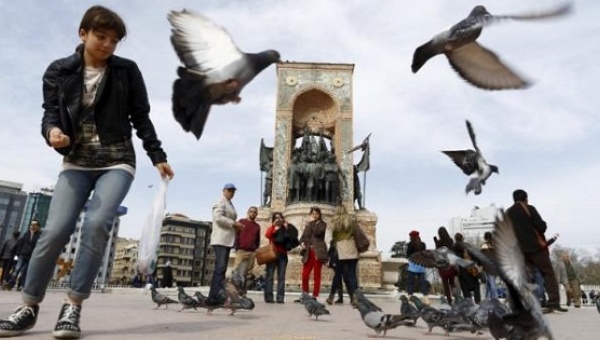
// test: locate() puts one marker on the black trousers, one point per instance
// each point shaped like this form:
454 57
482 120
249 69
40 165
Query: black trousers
7 267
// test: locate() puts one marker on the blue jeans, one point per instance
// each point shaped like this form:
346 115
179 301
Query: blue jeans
71 193
20 268
281 265
539 292
221 261
491 289
410 284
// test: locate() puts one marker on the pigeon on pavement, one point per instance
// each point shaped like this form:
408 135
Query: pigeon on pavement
160 299
496 325
408 310
312 306
472 162
380 321
434 317
215 70
525 316
186 301
234 300
473 62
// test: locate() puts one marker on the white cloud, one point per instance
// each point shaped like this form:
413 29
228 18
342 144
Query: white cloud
542 138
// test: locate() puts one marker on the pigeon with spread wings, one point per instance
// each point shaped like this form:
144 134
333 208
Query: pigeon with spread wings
525 317
215 70
441 258
471 162
473 62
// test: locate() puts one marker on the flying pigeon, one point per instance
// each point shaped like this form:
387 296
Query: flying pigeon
525 316
160 299
473 62
215 70
471 162
440 257
186 301
312 306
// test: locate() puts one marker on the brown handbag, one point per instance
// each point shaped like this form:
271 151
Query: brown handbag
360 240
265 254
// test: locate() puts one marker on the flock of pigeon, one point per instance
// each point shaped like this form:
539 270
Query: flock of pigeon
215 71
519 317
230 295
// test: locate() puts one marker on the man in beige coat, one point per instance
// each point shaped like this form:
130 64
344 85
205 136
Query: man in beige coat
568 278
224 228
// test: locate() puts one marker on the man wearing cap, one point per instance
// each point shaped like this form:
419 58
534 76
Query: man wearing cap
225 226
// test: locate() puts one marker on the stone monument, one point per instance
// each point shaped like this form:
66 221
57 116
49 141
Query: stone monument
311 164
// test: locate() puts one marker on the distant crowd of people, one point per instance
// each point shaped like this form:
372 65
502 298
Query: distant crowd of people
530 230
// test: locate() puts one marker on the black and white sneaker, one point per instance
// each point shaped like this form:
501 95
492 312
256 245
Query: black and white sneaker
21 320
67 326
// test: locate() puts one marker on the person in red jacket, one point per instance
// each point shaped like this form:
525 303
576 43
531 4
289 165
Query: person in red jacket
247 240
276 236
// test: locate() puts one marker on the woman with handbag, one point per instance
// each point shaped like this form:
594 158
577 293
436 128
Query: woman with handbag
276 236
313 243
344 225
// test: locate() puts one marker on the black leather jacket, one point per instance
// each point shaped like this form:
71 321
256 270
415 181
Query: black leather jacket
121 102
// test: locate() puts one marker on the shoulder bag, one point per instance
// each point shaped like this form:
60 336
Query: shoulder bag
265 254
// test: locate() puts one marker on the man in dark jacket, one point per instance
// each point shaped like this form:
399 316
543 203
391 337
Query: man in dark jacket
7 254
24 250
529 229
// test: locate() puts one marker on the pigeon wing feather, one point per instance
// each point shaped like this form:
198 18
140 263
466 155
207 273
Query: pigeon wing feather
558 11
482 68
201 44
463 160
425 258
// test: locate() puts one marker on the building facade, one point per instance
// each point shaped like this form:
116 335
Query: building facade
124 265
36 207
474 226
12 204
185 242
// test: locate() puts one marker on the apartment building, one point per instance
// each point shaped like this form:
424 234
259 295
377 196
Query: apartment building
124 265
185 242
12 203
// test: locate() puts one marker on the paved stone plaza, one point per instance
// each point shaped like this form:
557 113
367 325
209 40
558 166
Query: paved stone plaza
130 314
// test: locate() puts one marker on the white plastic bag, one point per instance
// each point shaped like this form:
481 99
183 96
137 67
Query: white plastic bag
148 247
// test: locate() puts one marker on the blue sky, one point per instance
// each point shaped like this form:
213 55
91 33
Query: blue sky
543 139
